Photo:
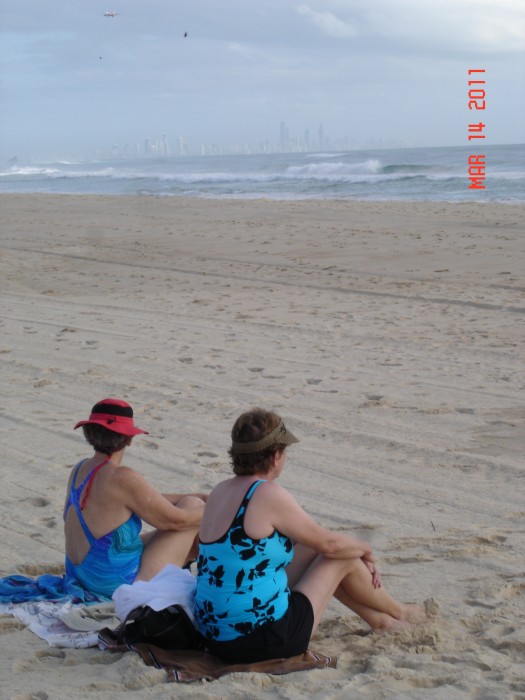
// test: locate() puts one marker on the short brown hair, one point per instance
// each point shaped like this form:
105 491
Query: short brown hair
103 440
251 427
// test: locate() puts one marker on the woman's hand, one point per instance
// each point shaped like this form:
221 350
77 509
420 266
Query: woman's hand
376 576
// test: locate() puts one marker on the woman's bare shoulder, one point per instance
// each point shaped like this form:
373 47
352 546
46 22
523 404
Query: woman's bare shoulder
274 492
126 479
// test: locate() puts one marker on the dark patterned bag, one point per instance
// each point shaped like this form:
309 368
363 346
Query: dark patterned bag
170 628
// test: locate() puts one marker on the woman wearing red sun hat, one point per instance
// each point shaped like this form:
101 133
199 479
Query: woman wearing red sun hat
106 503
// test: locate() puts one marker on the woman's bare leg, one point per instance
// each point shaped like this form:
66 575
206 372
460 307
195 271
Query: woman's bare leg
169 546
303 557
381 612
351 582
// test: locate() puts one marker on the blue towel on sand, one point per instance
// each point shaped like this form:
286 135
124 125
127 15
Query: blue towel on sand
21 589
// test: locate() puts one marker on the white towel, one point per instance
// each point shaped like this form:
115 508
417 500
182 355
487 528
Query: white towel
170 586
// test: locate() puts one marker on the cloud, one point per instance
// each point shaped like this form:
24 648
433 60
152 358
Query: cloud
461 26
468 25
329 23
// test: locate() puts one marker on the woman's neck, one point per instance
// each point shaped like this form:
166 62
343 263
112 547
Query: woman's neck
248 478
115 458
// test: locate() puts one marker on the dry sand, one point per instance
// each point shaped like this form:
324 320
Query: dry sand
390 337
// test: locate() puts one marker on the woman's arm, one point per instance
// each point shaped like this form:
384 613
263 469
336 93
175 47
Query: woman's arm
150 505
174 498
289 518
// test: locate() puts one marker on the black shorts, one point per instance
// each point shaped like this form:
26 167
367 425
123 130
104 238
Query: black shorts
274 640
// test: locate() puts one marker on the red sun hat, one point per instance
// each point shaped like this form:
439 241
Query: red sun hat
113 414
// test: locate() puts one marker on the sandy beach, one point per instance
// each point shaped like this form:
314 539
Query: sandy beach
390 337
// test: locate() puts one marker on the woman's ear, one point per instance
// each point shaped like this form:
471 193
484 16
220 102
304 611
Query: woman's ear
276 455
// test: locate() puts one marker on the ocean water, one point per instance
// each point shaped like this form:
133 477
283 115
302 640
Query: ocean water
433 174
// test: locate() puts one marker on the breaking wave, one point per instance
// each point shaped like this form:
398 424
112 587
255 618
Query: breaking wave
432 174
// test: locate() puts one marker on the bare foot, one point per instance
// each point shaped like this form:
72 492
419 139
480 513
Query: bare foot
415 614
391 624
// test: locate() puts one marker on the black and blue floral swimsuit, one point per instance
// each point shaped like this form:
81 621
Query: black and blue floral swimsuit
241 582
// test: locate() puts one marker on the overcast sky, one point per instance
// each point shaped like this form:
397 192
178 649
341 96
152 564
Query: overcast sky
392 71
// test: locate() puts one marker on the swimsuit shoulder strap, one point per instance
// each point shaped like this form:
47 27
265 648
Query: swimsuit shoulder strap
238 519
89 480
71 495
246 499
74 496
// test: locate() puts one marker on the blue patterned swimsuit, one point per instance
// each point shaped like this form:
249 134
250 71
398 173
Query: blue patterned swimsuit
241 582
112 559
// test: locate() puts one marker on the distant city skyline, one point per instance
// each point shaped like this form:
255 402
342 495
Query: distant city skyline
284 140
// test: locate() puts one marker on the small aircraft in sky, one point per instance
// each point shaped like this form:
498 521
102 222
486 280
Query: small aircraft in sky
110 13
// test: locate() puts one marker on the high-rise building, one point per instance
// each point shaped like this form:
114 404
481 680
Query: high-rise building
307 139
284 137
164 146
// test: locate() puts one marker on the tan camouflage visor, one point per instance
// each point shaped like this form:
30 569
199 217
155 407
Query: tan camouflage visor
278 436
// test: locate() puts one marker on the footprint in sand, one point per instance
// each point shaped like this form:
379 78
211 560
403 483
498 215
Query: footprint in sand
214 465
10 624
36 501
416 559
41 383
150 445
50 653
65 330
49 521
